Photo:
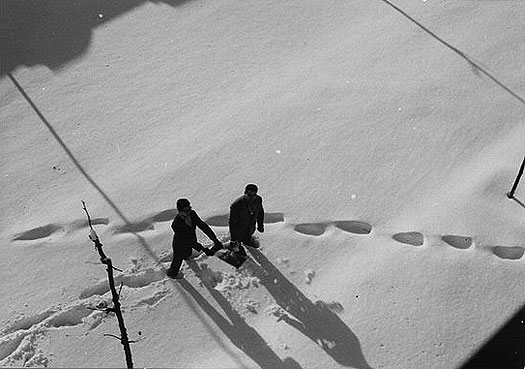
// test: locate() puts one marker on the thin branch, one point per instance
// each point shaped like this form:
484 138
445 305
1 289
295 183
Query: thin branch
115 295
112 335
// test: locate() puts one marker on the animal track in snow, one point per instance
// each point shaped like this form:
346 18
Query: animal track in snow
37 233
509 253
410 238
458 242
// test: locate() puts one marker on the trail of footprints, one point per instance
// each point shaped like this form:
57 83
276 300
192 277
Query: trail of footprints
309 229
17 340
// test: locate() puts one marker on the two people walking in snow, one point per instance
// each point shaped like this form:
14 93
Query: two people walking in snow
246 215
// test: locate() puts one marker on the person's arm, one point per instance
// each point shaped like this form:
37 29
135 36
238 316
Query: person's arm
173 226
260 217
207 231
233 222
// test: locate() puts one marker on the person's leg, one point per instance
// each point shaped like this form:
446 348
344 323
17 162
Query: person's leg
176 263
249 239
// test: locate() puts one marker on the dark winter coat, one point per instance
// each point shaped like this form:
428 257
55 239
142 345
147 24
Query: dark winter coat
185 237
244 216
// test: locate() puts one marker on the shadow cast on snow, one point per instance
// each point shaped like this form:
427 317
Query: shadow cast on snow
505 349
476 67
314 320
236 329
54 33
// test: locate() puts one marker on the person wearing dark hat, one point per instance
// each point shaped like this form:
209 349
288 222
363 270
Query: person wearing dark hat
185 238
245 213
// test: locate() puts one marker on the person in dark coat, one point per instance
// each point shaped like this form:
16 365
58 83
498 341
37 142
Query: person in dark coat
185 238
245 214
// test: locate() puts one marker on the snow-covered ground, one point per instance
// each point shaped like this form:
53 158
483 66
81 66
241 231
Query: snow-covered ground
383 157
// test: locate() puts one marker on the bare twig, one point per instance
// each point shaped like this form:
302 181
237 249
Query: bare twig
116 295
112 335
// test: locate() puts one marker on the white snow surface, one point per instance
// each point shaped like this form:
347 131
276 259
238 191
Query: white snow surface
383 158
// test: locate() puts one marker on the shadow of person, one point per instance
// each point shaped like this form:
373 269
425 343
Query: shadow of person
236 329
314 320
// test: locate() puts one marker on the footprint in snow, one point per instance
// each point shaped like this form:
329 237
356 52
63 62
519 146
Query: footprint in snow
311 229
136 280
137 227
353 226
509 253
410 238
163 216
222 220
350 226
83 223
458 242
37 233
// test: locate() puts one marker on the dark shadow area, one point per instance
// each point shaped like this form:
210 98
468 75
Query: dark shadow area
475 66
54 33
315 320
236 329
506 349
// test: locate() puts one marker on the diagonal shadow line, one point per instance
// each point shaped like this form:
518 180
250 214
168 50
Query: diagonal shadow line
237 330
82 170
141 240
314 320
518 201
459 52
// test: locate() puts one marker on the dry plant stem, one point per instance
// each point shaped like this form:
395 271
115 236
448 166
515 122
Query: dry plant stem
124 340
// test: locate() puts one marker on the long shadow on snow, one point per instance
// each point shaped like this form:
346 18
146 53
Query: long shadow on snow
314 320
238 332
54 33
75 161
475 66
505 349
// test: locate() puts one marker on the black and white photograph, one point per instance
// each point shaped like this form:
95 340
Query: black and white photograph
275 184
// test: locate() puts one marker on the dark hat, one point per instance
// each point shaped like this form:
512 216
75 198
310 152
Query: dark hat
251 187
182 204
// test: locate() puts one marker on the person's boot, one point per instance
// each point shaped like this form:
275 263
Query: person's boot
174 274
252 242
216 248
